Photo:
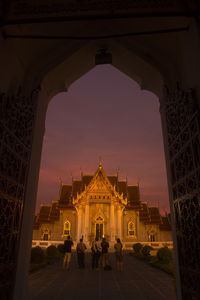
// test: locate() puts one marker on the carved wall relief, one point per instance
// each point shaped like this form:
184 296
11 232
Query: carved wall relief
183 129
17 114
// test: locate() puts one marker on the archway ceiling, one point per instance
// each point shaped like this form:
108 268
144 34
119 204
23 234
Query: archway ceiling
44 58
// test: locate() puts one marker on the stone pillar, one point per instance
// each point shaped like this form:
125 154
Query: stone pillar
79 226
112 222
86 229
119 222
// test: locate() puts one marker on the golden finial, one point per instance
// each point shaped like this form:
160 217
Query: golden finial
100 162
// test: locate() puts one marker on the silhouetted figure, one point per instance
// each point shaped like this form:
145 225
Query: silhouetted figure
80 249
68 250
96 253
118 254
104 250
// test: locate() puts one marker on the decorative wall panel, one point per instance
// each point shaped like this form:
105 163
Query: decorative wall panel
183 127
16 128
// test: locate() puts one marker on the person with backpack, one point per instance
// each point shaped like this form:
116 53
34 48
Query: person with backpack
80 249
118 255
68 251
96 253
104 251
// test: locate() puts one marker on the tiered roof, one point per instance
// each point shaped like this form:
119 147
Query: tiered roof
144 213
65 195
165 223
155 217
133 199
68 192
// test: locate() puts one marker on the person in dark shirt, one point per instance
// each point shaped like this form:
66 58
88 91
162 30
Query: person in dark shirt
80 249
68 250
96 252
104 250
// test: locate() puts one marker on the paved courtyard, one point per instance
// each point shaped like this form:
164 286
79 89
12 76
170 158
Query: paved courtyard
137 281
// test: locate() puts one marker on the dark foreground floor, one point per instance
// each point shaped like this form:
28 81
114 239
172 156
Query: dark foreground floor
137 281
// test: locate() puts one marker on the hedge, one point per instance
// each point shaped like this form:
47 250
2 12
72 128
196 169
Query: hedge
164 255
137 248
37 255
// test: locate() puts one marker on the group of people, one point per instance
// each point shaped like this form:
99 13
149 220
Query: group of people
99 251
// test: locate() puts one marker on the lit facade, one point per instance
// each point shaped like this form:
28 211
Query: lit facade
101 206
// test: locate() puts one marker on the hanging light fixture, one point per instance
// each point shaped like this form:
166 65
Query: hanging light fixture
103 57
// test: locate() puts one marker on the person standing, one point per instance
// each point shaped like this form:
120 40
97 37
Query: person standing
68 251
118 255
96 252
80 249
104 247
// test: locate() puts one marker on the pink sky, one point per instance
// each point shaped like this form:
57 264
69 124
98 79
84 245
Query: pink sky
104 114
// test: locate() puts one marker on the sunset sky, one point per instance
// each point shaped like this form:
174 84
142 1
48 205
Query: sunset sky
104 114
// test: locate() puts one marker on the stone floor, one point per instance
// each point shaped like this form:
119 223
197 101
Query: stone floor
137 281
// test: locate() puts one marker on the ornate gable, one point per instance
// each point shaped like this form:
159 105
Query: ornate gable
99 189
100 183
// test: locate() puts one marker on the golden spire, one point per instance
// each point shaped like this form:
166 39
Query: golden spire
100 162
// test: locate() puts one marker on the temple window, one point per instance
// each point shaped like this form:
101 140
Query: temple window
67 228
99 219
103 197
99 197
131 228
108 197
95 197
152 237
45 235
90 197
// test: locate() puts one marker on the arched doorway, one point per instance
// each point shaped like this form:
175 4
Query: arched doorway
99 228
154 62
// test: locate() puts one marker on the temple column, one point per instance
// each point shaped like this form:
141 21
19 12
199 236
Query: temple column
119 222
79 226
86 229
112 222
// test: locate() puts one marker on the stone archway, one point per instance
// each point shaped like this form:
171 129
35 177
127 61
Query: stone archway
155 63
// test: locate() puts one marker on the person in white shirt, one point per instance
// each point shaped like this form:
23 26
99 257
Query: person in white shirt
118 254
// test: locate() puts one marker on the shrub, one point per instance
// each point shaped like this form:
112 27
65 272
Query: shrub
137 248
146 250
52 252
61 248
164 255
37 255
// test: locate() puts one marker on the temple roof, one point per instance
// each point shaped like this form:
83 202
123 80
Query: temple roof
165 223
68 192
86 179
76 187
122 188
144 212
65 191
133 196
43 216
155 217
113 180
54 214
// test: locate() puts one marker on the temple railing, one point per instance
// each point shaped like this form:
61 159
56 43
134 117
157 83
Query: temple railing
127 245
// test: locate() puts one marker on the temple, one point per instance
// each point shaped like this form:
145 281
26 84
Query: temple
101 206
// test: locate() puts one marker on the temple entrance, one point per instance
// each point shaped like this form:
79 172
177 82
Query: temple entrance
99 228
99 231
46 237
